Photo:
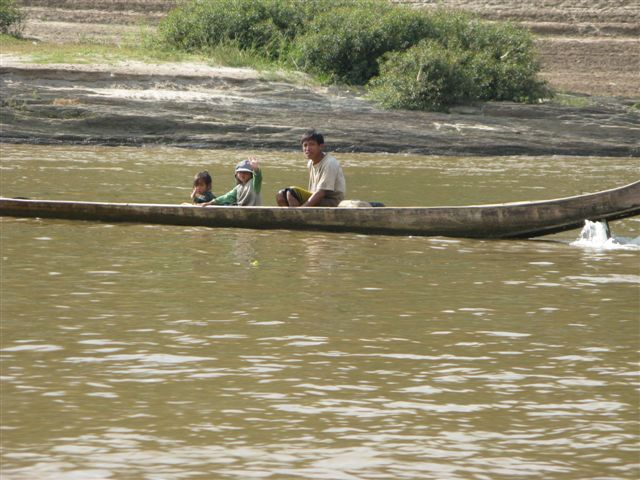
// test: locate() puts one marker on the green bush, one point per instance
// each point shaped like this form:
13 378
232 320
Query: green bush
266 26
428 76
466 60
504 60
345 44
11 18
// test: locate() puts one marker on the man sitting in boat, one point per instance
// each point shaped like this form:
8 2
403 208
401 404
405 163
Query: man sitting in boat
327 186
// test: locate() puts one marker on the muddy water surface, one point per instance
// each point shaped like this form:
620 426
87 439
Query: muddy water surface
139 351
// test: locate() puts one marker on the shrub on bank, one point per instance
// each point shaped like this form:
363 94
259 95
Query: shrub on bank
11 18
425 77
466 60
265 26
345 44
407 58
504 64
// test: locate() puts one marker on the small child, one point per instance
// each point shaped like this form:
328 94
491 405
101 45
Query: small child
202 188
247 190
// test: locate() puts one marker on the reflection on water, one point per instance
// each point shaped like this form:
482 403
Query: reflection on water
135 351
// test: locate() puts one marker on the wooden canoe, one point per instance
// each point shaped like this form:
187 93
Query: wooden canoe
508 220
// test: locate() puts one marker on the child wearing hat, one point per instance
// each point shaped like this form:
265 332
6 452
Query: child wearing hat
248 185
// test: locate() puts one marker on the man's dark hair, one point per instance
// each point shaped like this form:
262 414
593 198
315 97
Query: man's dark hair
203 176
312 135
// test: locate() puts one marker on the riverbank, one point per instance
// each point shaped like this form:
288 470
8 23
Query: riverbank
103 101
199 106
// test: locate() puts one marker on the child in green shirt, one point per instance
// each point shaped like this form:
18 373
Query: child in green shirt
248 185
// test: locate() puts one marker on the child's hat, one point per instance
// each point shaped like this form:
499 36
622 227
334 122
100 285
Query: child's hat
244 166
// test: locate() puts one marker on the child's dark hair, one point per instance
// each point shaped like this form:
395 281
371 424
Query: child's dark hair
203 177
312 135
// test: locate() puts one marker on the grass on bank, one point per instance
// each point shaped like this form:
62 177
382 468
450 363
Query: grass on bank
572 100
142 49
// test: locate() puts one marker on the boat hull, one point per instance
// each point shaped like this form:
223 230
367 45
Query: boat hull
510 220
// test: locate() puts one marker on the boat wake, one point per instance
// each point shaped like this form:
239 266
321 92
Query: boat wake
597 236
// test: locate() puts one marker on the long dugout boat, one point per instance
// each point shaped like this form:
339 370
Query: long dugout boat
507 220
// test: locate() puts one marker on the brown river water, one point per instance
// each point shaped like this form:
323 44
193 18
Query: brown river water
136 351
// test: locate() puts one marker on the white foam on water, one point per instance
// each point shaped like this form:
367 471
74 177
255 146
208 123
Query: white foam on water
594 236
612 278
33 348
